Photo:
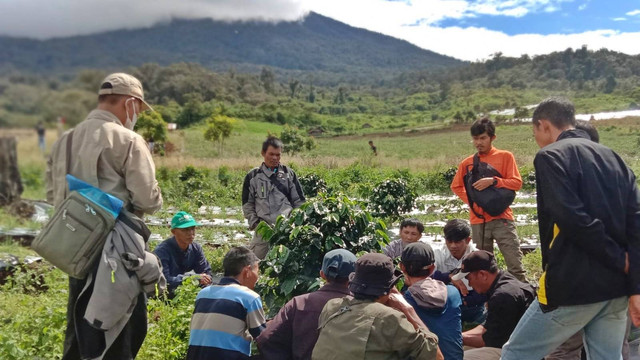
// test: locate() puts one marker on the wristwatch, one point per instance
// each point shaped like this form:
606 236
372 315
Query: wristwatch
495 182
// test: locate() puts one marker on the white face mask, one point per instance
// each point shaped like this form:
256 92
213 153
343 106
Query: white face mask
130 123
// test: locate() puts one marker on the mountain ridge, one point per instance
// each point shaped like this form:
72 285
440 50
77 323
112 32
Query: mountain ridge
317 43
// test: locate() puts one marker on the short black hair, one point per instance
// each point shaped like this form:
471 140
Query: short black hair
481 126
456 230
559 111
236 259
416 268
589 129
273 142
413 222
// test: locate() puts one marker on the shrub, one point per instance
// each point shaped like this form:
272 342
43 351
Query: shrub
391 198
299 242
312 184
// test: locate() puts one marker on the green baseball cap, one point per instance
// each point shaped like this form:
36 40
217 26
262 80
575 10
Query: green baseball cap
183 220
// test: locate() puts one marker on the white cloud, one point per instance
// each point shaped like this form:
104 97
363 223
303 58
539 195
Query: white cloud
633 13
619 19
57 18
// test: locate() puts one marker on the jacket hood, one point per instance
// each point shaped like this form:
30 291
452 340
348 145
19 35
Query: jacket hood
429 293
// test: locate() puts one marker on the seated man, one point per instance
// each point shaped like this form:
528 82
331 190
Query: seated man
437 304
457 237
179 254
410 232
508 299
226 314
292 334
376 323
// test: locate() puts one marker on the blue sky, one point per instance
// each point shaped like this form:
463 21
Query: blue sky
465 29
563 18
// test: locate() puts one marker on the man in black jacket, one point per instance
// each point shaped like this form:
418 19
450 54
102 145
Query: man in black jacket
589 221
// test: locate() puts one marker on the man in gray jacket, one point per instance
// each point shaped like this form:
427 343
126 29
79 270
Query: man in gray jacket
106 153
269 191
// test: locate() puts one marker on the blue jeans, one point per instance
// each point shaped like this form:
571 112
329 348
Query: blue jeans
538 333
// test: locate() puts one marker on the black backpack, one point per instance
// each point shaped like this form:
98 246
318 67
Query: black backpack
494 201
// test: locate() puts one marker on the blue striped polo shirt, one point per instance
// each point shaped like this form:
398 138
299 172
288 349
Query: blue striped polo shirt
225 318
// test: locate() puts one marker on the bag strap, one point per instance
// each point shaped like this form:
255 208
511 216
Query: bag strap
69 143
281 187
476 162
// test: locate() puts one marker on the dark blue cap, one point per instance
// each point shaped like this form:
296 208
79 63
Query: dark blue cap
338 264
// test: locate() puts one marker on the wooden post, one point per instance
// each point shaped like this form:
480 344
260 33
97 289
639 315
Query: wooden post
10 182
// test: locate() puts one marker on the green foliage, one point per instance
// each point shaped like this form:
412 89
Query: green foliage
295 140
391 198
192 112
151 126
312 185
32 323
218 129
299 242
169 320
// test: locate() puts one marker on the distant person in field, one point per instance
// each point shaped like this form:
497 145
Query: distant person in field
457 237
40 130
293 333
486 228
180 255
589 220
373 148
410 232
270 190
229 315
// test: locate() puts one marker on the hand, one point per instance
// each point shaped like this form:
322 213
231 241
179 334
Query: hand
483 183
205 279
398 302
461 286
634 309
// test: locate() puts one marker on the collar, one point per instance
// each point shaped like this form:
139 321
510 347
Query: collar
228 281
573 134
491 152
494 284
329 287
174 242
104 116
271 171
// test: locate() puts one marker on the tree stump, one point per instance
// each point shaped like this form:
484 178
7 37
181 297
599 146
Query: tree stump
10 182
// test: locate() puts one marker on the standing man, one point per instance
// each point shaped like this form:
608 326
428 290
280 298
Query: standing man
293 333
227 316
106 153
269 191
508 299
373 148
180 255
485 227
589 220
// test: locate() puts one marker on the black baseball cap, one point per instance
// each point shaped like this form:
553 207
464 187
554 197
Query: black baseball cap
475 261
418 252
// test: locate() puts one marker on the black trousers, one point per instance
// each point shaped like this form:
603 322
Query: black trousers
91 342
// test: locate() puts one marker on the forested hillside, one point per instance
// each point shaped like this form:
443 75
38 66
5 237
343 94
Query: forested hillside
189 93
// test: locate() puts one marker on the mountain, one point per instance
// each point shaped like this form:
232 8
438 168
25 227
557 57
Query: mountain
317 43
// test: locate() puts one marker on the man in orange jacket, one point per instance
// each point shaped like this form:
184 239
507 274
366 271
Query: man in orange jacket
485 227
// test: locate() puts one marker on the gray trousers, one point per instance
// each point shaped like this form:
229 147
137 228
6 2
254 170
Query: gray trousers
504 233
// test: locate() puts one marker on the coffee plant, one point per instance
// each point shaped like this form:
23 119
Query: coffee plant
391 198
299 242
